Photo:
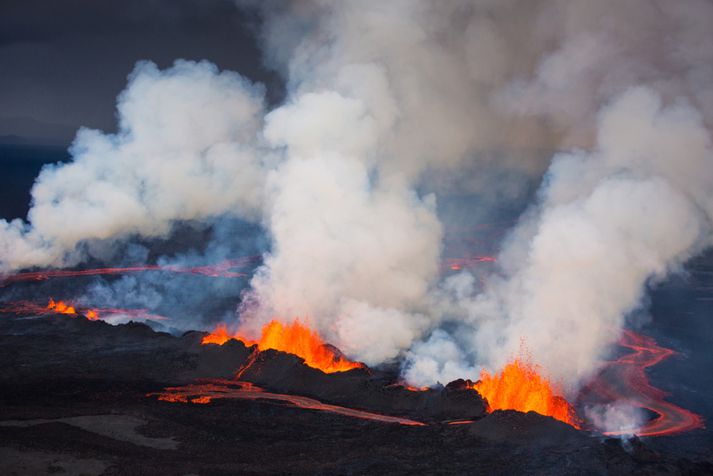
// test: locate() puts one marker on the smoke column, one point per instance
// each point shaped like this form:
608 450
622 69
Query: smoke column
382 96
628 204
391 106
608 223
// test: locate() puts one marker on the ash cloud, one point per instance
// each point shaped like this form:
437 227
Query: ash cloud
391 107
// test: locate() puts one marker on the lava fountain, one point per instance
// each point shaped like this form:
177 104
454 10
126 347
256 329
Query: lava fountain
520 386
295 338
60 307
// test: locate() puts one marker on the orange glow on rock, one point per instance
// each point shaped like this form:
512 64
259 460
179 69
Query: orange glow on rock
520 386
411 388
60 307
204 400
295 338
92 315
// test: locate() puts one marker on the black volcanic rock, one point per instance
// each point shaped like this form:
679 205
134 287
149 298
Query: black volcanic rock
73 400
361 388
517 427
74 347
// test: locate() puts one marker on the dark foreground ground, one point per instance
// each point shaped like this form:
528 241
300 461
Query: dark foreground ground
73 401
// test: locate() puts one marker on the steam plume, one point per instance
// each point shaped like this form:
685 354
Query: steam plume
185 150
386 103
608 222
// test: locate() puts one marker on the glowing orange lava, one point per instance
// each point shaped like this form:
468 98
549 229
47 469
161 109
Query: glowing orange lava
220 336
60 307
457 264
521 387
209 390
295 338
625 379
109 314
411 388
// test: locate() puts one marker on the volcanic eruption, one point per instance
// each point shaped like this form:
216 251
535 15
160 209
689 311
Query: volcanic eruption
294 338
453 214
520 387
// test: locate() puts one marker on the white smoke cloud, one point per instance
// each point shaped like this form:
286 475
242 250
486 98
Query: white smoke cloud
186 149
385 99
355 247
333 233
608 222
439 359
435 86
620 418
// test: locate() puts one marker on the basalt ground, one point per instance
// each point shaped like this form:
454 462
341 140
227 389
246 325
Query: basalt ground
73 400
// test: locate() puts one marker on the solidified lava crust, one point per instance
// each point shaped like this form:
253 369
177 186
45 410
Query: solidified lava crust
73 399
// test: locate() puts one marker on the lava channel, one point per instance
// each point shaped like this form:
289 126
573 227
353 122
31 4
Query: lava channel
457 264
224 269
206 391
625 379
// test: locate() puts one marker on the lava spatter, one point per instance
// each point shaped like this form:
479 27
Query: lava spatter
521 386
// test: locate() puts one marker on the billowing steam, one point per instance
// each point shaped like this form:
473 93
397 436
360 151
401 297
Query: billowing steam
390 107
619 418
186 149
607 222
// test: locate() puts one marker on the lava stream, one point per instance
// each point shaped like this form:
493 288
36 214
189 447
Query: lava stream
224 269
295 338
625 379
456 264
210 390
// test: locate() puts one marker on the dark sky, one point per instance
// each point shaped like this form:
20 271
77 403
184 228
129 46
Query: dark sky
63 62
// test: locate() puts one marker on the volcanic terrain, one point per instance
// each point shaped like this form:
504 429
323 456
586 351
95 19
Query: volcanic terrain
81 396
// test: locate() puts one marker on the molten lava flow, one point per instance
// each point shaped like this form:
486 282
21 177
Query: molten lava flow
223 269
411 388
60 307
456 264
624 379
521 387
295 338
408 387
208 390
